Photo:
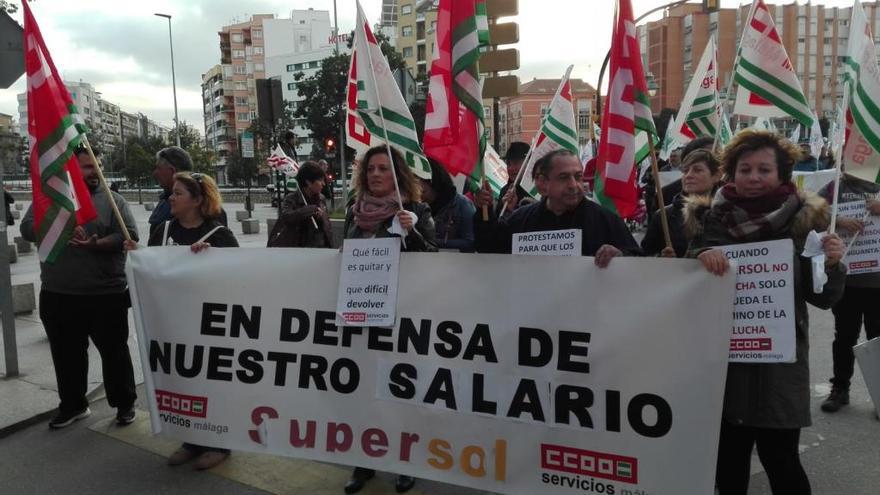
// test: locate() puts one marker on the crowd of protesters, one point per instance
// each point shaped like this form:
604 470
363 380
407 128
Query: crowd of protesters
742 194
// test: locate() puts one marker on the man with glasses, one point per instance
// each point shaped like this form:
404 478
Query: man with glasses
169 161
559 178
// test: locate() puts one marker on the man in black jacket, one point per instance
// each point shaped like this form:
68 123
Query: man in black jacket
559 178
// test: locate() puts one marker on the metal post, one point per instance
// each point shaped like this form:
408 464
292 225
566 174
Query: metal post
173 78
340 148
10 347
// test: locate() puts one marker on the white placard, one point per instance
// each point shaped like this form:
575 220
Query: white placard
868 356
368 282
548 243
763 310
864 254
518 393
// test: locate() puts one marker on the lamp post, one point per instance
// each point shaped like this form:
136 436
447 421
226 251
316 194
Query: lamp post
342 117
173 79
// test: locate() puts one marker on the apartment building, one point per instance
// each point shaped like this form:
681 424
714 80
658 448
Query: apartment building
416 24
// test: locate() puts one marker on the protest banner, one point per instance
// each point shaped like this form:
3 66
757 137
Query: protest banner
368 281
548 243
570 379
868 356
863 255
763 310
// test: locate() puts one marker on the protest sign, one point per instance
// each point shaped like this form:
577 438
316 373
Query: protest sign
554 385
813 181
868 356
368 282
548 243
763 310
863 255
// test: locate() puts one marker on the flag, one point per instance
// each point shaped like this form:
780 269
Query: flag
279 161
795 134
557 132
61 200
454 121
698 115
586 152
496 171
768 84
816 141
763 124
863 76
626 112
670 142
726 133
382 110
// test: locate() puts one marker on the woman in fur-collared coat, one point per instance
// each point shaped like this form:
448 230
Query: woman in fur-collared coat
766 404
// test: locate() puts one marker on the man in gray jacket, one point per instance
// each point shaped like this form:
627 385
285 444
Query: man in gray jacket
84 295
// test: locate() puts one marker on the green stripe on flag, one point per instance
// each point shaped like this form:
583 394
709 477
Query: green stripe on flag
801 117
704 99
402 120
775 82
561 127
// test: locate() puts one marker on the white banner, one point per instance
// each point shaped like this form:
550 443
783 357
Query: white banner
763 312
567 380
863 255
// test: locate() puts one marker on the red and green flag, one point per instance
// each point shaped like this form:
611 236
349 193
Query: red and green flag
627 113
61 200
455 133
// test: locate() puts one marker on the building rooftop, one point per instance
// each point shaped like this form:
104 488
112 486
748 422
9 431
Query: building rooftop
544 86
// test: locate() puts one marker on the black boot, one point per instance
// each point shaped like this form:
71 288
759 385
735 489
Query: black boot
404 483
838 398
359 478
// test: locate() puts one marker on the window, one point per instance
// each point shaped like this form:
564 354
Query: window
236 37
241 101
544 107
237 53
291 87
406 9
291 68
407 51
258 67
239 69
257 33
243 117
406 31
258 50
302 21
240 86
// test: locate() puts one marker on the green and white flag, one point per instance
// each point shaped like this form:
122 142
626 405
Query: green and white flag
380 105
768 84
795 134
670 142
558 131
725 134
863 76
698 115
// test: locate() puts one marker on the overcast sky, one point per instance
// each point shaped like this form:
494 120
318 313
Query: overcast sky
121 48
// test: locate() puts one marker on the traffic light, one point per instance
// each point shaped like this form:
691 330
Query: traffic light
330 147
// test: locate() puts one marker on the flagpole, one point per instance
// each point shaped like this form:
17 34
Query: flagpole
655 171
116 214
733 72
838 152
518 178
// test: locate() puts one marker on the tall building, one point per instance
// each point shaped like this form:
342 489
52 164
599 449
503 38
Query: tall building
814 36
107 120
259 48
416 24
521 115
388 21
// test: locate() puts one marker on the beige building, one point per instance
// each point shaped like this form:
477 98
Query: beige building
416 24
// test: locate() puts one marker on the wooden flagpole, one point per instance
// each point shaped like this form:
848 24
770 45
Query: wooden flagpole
655 171
116 214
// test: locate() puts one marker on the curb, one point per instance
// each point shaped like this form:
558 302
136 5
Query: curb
93 396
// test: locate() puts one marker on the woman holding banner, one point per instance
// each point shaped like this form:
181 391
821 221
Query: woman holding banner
377 204
767 404
195 205
453 213
700 176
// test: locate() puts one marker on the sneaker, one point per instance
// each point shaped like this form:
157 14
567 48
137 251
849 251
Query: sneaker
62 420
210 459
836 399
125 416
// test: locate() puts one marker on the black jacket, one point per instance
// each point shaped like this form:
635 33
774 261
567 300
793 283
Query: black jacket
599 225
295 229
10 220
653 242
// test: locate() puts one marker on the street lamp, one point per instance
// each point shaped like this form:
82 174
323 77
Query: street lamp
173 79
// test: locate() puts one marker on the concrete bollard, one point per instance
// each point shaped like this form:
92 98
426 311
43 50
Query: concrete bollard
23 245
270 224
242 215
250 226
149 206
15 214
19 206
24 300
13 253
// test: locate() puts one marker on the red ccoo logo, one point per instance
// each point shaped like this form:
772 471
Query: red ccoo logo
354 317
588 463
185 405
751 345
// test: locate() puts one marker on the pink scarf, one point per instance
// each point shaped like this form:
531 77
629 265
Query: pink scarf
370 212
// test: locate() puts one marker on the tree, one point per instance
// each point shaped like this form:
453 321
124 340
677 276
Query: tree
323 92
138 162
189 136
8 7
240 170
